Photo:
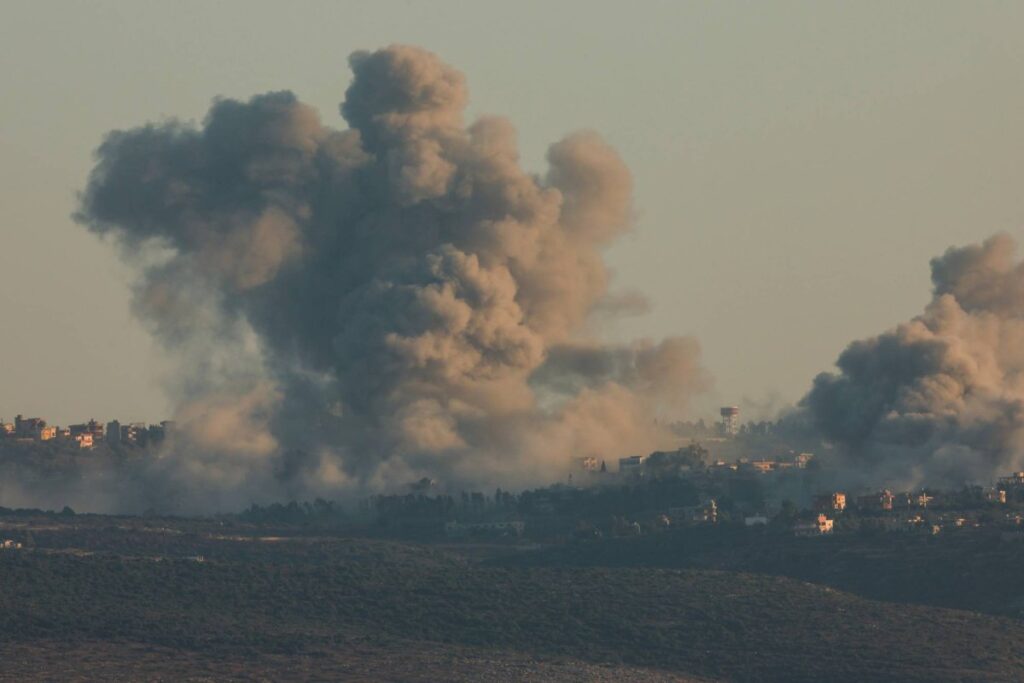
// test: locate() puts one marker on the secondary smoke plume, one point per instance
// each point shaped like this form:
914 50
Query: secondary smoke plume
399 299
939 399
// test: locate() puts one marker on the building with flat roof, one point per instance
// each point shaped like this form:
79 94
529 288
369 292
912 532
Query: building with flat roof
631 465
830 501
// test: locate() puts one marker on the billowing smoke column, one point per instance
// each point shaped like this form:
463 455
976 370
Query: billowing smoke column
939 399
363 307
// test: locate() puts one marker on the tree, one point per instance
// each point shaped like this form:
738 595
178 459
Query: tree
787 512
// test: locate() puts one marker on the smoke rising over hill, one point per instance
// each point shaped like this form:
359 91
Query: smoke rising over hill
939 399
362 307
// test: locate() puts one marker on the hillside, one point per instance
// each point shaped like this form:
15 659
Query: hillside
962 570
323 604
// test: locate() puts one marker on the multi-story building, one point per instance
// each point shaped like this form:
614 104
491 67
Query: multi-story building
994 495
801 460
28 427
631 465
830 501
92 427
705 513
113 432
134 434
876 501
1014 481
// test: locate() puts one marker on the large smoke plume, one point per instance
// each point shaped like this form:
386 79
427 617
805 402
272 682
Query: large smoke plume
362 307
939 399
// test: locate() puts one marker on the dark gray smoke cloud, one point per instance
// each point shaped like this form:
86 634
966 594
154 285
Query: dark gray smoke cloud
939 399
366 306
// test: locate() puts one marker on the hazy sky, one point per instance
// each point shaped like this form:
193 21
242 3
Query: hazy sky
796 164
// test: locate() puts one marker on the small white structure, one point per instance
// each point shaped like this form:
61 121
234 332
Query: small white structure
755 520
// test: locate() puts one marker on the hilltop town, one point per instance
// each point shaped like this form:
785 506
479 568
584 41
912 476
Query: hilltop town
666 492
763 543
85 435
694 485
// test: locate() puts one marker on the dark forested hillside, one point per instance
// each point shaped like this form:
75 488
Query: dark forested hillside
330 603
975 571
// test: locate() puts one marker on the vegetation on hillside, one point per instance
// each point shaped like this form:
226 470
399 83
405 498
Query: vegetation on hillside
291 597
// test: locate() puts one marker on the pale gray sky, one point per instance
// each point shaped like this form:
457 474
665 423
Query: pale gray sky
796 164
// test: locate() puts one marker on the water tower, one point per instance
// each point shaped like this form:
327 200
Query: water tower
730 420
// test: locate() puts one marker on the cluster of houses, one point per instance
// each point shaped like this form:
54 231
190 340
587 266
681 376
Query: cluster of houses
929 511
924 511
87 434
634 466
797 461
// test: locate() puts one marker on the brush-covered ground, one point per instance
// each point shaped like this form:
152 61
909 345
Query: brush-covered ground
114 599
967 569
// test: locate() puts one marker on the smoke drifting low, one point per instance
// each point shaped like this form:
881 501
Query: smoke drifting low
939 399
358 308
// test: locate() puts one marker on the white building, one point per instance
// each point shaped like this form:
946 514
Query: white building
634 464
